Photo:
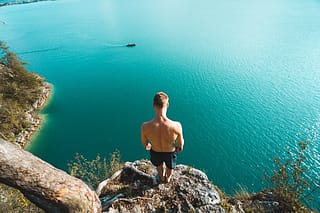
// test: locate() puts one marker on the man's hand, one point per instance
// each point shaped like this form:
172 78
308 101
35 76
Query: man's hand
179 149
148 146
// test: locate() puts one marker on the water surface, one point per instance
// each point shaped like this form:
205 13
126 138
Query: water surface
243 78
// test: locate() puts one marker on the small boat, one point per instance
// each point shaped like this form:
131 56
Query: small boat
131 45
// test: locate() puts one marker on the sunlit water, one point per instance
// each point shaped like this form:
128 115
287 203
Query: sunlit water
243 78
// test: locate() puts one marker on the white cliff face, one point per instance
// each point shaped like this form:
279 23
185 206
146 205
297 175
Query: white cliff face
32 118
136 189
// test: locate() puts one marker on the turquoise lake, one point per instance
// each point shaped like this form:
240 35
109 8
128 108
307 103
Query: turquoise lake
243 78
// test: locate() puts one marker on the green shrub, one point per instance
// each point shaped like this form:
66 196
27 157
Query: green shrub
242 193
94 171
19 89
13 201
289 180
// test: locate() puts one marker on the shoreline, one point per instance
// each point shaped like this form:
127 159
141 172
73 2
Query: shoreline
33 116
20 2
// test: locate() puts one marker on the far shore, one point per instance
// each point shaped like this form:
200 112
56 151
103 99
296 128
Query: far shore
20 2
34 118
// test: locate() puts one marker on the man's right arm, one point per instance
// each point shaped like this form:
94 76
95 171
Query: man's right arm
144 139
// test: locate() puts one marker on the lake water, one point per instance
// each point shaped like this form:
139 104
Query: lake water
243 79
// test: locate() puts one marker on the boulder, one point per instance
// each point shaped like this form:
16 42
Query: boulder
136 188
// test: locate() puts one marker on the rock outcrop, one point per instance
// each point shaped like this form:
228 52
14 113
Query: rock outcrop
32 117
136 188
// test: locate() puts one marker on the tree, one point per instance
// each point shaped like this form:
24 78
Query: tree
48 187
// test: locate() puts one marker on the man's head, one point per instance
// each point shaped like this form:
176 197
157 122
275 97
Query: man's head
160 100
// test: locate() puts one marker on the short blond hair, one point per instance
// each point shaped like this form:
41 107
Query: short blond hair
160 99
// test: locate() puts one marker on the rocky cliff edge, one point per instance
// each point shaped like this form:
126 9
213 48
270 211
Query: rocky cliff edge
136 188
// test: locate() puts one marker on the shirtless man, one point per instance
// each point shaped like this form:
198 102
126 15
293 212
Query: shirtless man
163 137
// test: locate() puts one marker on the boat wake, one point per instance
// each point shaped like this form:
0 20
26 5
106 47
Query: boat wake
39 51
120 45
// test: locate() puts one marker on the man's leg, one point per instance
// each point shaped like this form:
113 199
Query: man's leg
161 172
171 160
168 175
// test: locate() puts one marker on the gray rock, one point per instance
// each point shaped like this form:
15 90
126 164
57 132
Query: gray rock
189 190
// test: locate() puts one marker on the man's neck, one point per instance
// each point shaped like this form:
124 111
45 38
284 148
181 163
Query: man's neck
161 113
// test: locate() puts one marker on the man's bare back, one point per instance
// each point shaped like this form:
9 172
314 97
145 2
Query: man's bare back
162 133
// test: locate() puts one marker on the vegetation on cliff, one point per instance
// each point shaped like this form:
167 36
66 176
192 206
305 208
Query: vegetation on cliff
13 201
288 187
19 90
94 171
289 180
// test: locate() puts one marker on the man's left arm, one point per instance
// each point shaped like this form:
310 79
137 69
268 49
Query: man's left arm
180 139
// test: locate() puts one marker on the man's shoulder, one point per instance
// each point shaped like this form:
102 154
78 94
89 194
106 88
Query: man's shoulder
178 124
147 124
175 124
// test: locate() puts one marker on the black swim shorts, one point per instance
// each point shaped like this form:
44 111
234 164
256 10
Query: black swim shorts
169 158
